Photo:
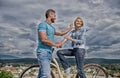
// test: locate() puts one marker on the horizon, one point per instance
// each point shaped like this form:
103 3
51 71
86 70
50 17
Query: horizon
71 60
13 57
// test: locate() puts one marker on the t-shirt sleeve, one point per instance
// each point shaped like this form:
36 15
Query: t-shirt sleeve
42 27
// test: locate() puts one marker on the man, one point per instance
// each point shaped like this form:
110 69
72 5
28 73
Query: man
46 34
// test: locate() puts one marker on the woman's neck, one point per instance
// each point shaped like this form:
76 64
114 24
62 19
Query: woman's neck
77 28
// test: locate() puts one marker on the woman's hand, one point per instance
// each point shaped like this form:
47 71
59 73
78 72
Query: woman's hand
69 38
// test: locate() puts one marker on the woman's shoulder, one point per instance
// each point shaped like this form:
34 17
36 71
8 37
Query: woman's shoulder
73 30
83 29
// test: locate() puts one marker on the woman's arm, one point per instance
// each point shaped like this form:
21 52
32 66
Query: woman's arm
68 37
73 40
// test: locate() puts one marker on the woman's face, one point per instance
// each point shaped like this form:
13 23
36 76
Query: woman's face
78 23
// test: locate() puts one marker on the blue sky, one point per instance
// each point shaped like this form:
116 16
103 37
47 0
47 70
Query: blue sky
19 20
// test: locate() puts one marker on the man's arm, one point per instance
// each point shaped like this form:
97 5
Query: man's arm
45 40
61 33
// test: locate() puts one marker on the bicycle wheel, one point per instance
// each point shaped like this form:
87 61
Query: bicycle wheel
94 71
32 72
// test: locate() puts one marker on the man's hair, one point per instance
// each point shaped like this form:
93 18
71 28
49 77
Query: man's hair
48 11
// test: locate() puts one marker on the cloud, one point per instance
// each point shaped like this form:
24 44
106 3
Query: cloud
19 20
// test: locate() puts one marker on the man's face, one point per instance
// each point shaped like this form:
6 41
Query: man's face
52 15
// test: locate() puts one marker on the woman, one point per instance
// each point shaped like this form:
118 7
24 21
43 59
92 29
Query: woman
77 36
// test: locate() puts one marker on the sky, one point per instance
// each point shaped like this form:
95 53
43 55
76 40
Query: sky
19 20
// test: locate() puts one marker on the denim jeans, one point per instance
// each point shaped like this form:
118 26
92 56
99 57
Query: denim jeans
79 56
44 59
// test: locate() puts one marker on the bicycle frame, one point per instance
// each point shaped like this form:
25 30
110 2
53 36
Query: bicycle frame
56 65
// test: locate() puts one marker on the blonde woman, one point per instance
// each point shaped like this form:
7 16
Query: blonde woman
77 36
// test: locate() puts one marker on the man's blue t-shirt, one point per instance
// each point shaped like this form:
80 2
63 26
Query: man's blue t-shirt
50 31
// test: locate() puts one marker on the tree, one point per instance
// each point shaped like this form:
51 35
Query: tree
5 74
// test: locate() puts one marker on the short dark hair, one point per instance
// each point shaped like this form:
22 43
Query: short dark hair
48 11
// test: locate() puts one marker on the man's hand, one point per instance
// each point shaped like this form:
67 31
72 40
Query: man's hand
70 27
58 44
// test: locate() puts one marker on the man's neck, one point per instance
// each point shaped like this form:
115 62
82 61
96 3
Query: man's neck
48 21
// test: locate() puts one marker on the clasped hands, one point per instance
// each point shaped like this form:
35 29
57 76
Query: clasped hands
58 44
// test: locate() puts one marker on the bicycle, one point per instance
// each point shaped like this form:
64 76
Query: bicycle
92 70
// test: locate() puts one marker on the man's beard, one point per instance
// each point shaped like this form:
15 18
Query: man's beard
52 20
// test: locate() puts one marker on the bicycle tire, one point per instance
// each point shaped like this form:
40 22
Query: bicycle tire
34 66
97 67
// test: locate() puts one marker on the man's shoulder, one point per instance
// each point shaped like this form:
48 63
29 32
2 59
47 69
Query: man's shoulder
42 26
42 23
